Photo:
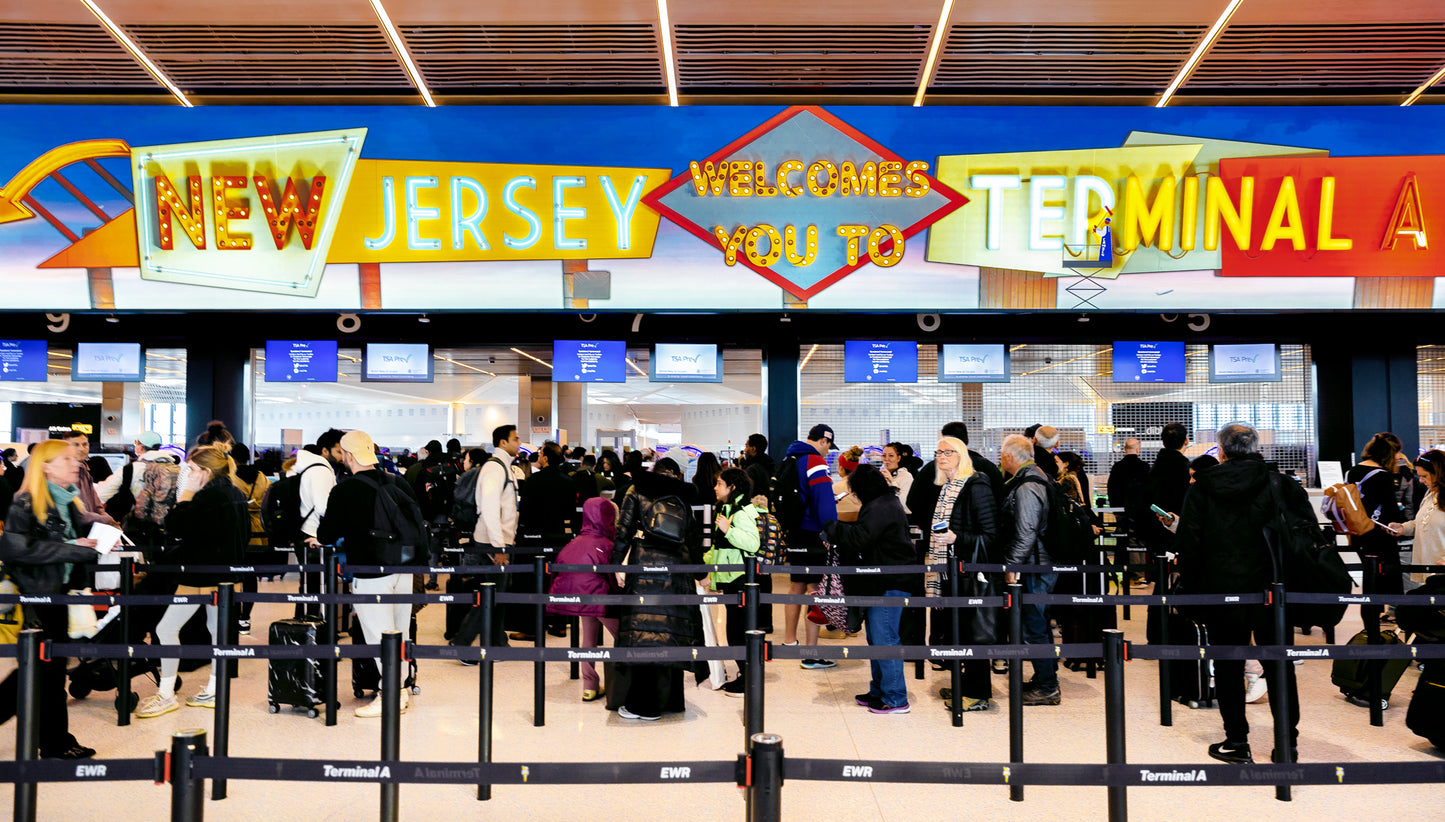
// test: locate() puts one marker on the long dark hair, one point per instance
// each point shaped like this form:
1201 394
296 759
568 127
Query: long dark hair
1382 448
868 483
742 486
705 477
1434 464
607 463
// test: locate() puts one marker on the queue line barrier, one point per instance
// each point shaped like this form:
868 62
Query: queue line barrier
392 651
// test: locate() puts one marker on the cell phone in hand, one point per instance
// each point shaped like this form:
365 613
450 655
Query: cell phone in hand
940 527
1161 512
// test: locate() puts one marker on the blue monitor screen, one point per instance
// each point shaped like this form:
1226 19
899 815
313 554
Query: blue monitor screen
589 361
23 360
1149 361
987 362
396 362
300 361
108 362
865 361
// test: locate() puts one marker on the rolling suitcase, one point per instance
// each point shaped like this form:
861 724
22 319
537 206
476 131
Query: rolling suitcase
1351 676
1191 681
364 675
296 682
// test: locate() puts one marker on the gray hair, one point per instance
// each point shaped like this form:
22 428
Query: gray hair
1017 446
1047 437
1237 440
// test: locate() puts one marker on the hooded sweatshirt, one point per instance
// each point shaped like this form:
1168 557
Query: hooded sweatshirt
593 546
817 486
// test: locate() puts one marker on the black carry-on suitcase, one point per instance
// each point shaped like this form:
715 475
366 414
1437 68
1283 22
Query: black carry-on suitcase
364 675
1191 681
1351 676
296 682
1426 716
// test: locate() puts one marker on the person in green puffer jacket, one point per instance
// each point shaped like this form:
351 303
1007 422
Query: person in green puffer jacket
735 537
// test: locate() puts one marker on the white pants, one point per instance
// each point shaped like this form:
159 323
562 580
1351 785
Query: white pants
168 631
378 619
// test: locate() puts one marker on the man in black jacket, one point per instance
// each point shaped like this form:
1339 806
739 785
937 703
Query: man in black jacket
1168 482
349 521
923 495
1025 518
1222 550
1126 478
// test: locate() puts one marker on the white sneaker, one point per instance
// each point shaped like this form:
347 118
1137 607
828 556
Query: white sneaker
1256 688
372 709
626 714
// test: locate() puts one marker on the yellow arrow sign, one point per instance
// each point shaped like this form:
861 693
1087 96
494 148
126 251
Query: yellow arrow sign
11 209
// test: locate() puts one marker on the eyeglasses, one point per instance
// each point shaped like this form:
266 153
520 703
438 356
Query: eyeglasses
947 453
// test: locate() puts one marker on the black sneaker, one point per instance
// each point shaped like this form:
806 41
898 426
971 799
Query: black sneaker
863 700
1233 753
818 664
1038 696
733 688
76 751
1362 702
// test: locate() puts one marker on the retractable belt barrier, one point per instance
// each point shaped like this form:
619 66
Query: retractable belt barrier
1120 775
465 773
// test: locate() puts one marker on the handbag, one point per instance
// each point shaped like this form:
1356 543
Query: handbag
982 628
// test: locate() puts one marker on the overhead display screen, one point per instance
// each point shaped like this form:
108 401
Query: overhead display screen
589 361
108 362
23 360
968 362
686 362
300 361
1149 361
1245 362
865 361
396 362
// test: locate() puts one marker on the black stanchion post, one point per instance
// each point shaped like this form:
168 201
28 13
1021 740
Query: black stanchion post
539 632
1283 743
1114 720
574 625
1016 686
330 579
27 714
1121 549
955 667
765 795
122 691
1373 667
750 569
225 607
488 594
1166 699
188 794
753 686
390 720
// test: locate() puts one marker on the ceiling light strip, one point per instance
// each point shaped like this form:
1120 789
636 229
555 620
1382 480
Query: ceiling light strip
811 352
530 357
669 63
1204 45
401 51
636 367
130 46
1415 95
933 48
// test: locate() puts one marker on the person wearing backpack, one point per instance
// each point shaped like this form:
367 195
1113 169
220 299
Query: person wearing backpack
737 522
253 484
802 499
496 527
656 527
1025 520
352 524
1223 549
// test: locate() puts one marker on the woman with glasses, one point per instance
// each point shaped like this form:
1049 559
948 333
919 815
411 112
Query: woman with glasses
965 518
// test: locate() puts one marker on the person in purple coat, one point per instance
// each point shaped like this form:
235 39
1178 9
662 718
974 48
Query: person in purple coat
593 546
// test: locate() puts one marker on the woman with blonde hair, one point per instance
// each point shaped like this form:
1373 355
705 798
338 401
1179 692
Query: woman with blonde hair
966 520
210 525
41 547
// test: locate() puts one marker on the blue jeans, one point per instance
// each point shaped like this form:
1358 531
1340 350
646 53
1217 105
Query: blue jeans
1037 632
887 683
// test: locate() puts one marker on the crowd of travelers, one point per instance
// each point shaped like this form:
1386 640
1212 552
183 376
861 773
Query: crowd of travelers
808 509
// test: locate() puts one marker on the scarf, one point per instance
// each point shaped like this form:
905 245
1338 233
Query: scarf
62 498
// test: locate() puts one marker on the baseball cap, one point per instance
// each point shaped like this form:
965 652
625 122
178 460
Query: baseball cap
360 446
150 439
820 431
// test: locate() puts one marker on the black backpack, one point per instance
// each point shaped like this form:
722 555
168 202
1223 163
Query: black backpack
398 530
122 502
281 514
667 519
437 486
785 496
464 502
1311 563
1069 533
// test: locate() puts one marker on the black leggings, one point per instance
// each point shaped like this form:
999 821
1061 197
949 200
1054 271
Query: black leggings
737 619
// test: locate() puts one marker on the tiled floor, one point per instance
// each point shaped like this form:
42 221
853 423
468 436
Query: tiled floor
812 710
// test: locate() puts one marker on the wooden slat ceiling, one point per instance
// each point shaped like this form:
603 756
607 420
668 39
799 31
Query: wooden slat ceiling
1065 52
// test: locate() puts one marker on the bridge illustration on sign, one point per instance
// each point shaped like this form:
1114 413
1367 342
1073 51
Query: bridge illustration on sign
47 188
